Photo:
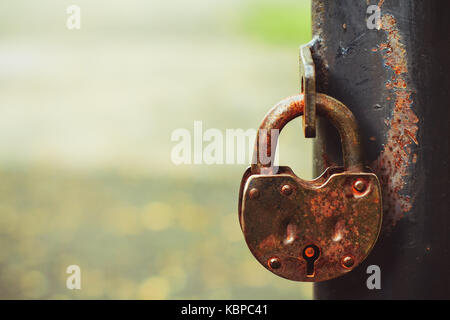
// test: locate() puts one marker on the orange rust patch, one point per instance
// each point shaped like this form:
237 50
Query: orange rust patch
327 205
270 242
392 166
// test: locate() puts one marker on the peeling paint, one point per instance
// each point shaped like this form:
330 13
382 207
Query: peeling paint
393 166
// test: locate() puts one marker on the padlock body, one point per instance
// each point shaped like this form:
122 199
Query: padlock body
339 213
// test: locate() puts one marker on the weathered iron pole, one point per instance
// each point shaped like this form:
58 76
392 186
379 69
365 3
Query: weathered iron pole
396 80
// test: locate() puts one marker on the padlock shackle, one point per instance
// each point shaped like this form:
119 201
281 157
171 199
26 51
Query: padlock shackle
286 110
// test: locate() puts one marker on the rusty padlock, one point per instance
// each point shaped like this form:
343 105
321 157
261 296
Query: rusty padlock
310 230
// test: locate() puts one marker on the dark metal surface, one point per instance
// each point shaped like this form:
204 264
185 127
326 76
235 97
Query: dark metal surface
395 79
310 230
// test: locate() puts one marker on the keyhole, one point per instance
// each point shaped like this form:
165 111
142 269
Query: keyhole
311 253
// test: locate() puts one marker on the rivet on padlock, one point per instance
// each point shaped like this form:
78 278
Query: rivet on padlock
310 230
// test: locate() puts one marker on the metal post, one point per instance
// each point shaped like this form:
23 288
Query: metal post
395 79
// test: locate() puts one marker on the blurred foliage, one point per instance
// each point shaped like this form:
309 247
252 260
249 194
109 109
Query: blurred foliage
85 170
134 236
281 22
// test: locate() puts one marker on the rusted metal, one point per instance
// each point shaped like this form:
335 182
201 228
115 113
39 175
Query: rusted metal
324 212
348 261
286 110
310 230
394 163
394 79
359 186
308 88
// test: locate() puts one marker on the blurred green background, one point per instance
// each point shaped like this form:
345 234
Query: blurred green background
86 175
